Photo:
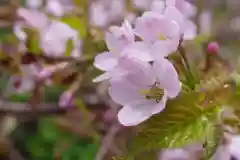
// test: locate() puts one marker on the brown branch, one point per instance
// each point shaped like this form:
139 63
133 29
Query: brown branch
24 109
33 57
107 142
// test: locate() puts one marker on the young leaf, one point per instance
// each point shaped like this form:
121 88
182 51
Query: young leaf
32 41
182 122
69 47
213 140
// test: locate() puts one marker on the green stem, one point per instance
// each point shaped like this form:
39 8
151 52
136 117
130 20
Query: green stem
187 70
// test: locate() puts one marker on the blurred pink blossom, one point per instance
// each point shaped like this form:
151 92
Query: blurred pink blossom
205 22
116 39
65 99
33 18
24 82
141 4
55 8
53 39
34 4
177 10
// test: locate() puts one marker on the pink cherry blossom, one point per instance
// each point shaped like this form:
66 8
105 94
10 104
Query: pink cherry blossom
104 12
30 18
34 4
136 91
141 4
175 10
177 154
55 8
116 9
53 39
157 6
65 99
125 65
161 33
98 15
234 146
186 8
116 39
33 18
25 81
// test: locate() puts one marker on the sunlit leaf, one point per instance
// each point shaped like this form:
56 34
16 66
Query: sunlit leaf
32 41
213 140
182 122
76 23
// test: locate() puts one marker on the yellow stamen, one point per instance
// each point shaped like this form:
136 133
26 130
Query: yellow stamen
162 37
154 93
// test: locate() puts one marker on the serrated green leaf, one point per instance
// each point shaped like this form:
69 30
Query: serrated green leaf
213 140
182 122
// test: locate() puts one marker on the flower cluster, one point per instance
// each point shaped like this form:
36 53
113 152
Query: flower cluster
103 13
52 37
141 77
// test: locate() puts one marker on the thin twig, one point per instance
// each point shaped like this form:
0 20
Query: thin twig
107 142
24 109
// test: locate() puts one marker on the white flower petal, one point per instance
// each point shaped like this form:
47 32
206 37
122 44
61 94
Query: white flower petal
190 30
175 15
138 50
106 61
159 107
123 92
131 115
102 77
168 77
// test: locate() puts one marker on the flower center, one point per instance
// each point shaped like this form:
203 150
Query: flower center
154 93
162 37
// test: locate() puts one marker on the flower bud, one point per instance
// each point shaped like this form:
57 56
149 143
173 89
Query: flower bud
65 99
213 48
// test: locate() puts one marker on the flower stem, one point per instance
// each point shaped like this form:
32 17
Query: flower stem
189 76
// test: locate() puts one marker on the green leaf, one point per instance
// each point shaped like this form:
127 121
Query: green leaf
213 140
20 97
48 132
182 122
76 23
69 47
200 39
32 41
